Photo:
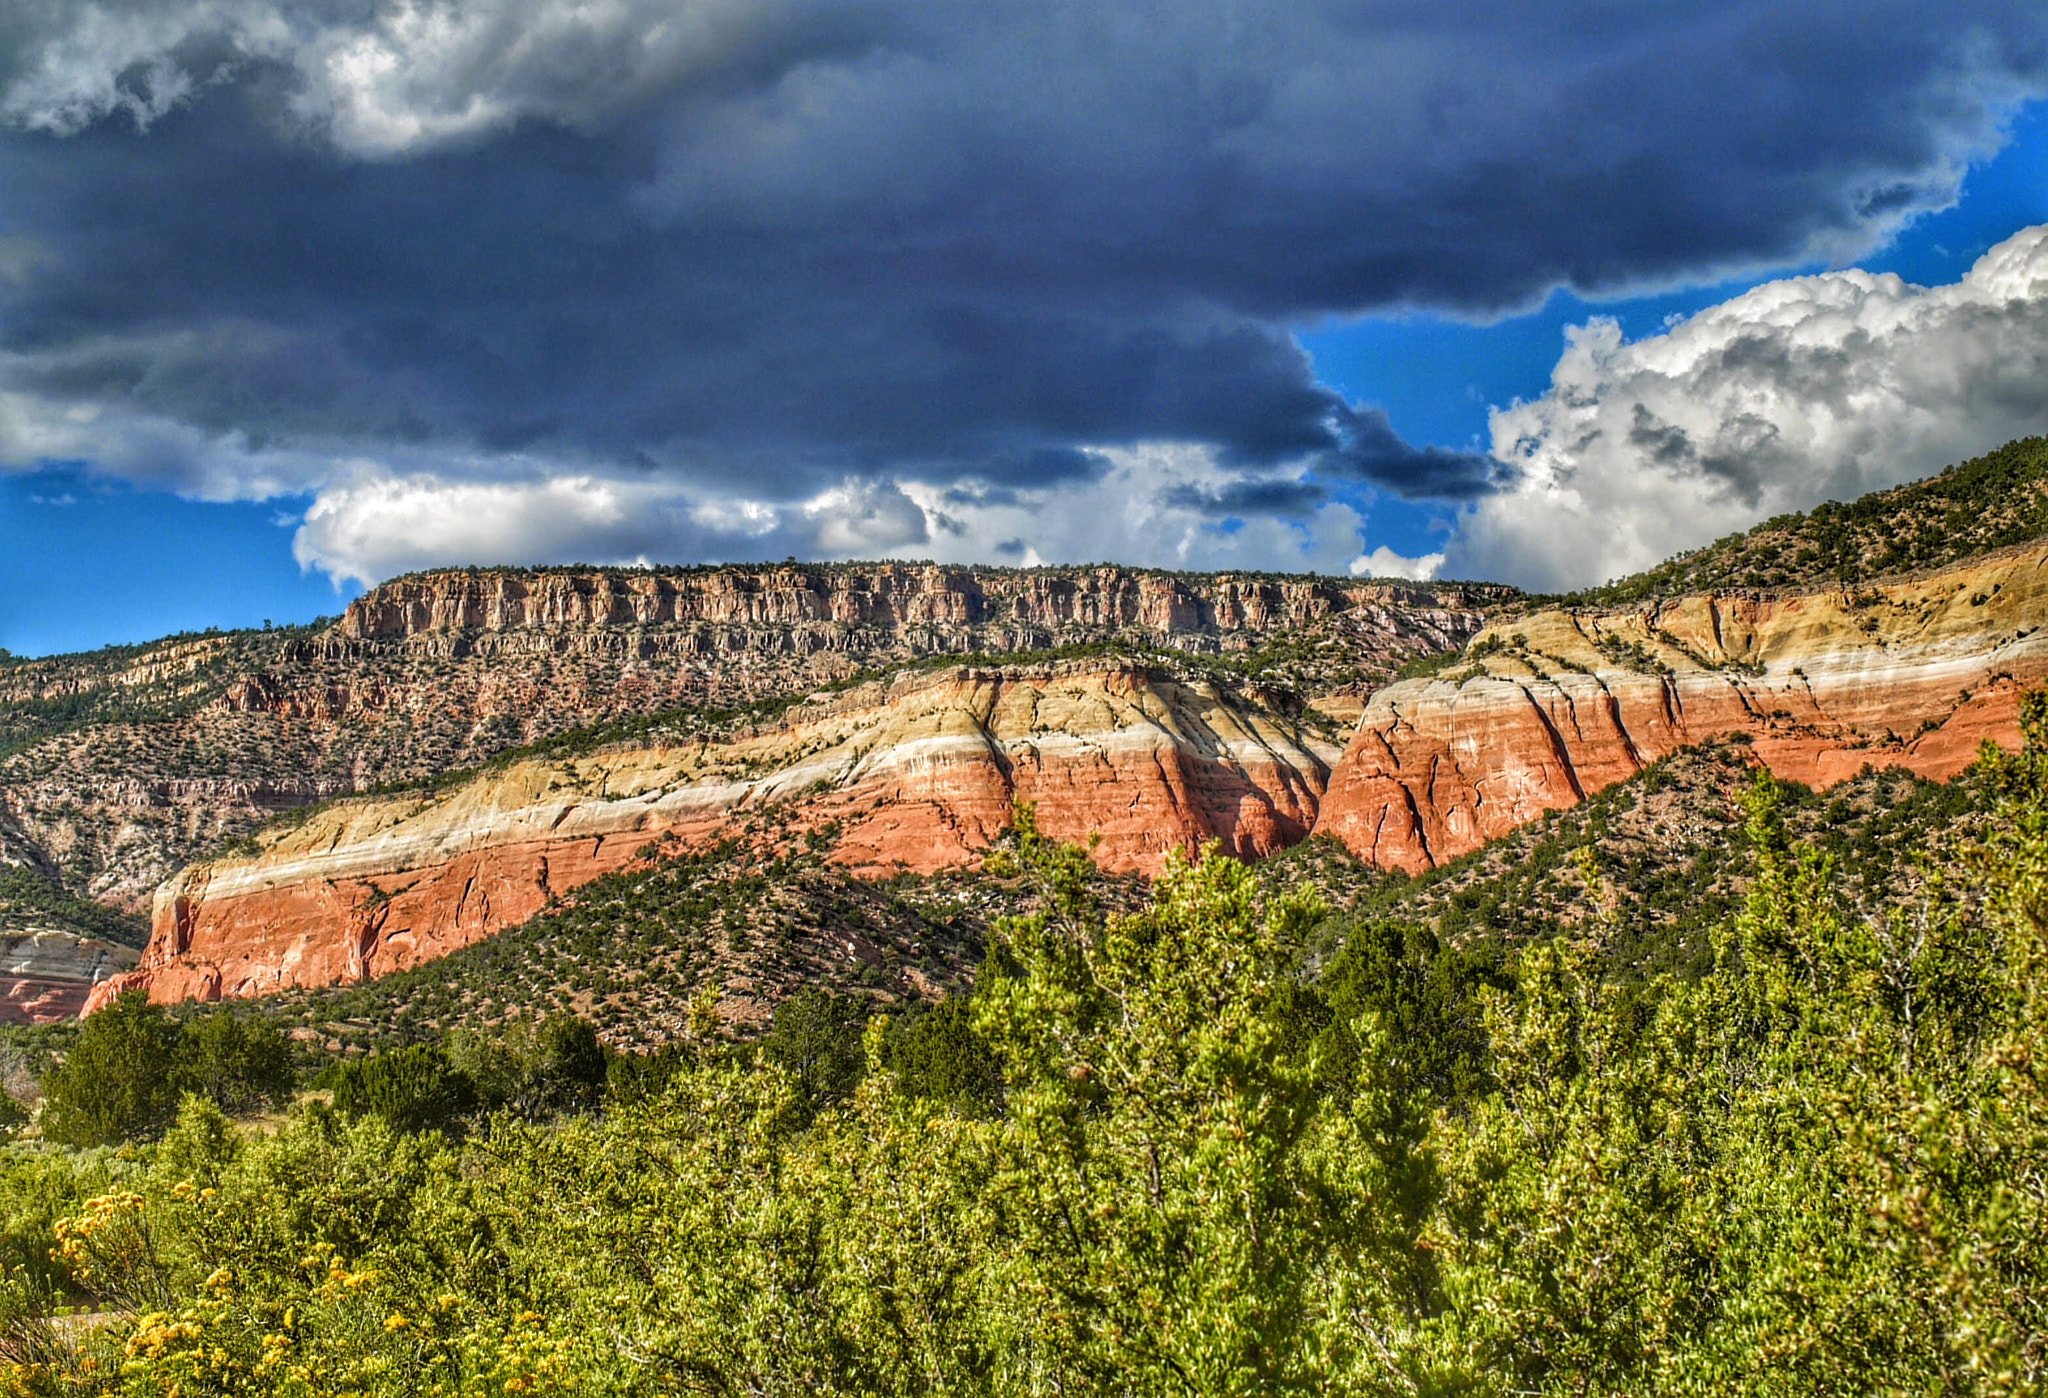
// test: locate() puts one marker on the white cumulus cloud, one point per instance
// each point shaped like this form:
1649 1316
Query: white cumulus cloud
372 522
1383 562
1798 391
378 525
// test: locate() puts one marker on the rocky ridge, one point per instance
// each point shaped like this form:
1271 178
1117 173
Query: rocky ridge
918 775
1550 707
1540 711
119 768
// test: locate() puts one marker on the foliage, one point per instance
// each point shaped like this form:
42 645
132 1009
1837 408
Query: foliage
935 1056
237 1063
30 901
817 1043
1991 501
1175 1150
131 1062
415 1088
120 1080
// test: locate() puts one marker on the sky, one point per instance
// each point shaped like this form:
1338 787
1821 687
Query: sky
296 295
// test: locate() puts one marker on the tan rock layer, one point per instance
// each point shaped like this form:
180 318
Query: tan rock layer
1913 675
889 595
919 776
47 976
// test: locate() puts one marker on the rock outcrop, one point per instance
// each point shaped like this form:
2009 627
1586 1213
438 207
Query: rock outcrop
884 595
123 766
1550 707
919 775
47 976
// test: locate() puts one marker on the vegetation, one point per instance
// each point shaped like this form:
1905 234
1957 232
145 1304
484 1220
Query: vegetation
123 1077
1644 871
1223 1142
29 901
1992 501
633 951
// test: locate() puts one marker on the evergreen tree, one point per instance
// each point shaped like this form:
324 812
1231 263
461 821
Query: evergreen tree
120 1080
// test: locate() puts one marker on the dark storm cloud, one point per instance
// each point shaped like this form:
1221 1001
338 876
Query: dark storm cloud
1369 449
768 247
1279 497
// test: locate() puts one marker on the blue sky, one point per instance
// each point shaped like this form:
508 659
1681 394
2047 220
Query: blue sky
1439 376
850 278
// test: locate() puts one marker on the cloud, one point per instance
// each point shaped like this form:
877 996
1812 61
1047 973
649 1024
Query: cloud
1148 507
1370 450
751 250
379 525
1277 496
1159 505
1385 563
1798 391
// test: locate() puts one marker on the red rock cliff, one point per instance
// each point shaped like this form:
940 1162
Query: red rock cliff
920 775
1549 708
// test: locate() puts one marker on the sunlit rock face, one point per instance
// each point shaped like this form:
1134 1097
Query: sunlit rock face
921 773
1560 704
918 775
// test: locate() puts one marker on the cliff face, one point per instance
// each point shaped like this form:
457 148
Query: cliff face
1549 708
48 975
888 596
919 775
124 766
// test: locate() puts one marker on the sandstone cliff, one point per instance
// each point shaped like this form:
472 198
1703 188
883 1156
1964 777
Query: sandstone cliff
1550 707
1019 606
920 774
123 766
48 974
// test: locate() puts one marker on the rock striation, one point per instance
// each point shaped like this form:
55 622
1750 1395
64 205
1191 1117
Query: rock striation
920 774
123 766
1548 708
47 975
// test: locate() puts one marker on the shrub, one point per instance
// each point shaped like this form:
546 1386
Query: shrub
119 1082
414 1089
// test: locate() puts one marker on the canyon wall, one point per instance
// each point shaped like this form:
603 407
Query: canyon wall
917 775
886 596
123 766
920 773
1547 708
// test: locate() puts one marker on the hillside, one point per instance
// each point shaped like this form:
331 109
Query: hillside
1670 862
1556 704
1989 502
633 951
120 767
920 774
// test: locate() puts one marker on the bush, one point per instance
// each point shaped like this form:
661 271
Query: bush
533 1071
938 1058
817 1041
119 1082
238 1064
414 1089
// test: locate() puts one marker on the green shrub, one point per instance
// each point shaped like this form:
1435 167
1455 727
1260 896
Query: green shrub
120 1080
413 1089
